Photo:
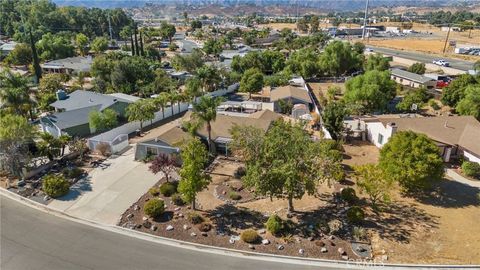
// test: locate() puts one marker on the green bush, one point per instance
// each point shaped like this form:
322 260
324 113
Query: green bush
471 169
234 196
250 236
177 199
72 173
433 104
55 185
274 224
355 214
204 227
168 189
154 208
348 194
154 191
194 218
240 172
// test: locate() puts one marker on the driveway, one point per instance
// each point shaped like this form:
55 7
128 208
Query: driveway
106 193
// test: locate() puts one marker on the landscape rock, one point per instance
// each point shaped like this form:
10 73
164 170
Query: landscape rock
46 198
193 234
323 250
265 241
280 247
186 227
204 234
177 209
144 218
136 207
345 257
235 237
250 246
341 251
147 224
319 243
262 231
331 237
153 228
384 257
310 238
231 241
301 251
130 216
180 215
169 228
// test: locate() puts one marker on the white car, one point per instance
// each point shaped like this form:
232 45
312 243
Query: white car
441 62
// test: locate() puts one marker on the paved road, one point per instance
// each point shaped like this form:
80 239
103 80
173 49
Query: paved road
188 45
425 58
32 239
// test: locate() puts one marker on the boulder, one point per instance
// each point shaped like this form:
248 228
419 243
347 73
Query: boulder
186 227
280 247
144 218
265 241
262 231
153 228
341 251
204 234
250 246
301 251
129 216
231 241
147 224
323 250
345 257
136 207
169 228
193 234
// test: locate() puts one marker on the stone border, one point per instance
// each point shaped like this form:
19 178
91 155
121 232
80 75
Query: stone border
227 251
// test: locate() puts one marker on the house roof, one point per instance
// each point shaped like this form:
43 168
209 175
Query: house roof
289 91
81 99
169 133
223 124
78 63
72 118
125 97
410 76
453 130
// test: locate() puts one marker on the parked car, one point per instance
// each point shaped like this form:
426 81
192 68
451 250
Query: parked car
369 50
441 62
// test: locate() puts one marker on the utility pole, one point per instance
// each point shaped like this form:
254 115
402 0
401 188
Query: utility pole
446 40
365 21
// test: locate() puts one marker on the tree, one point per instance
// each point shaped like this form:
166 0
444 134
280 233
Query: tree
53 47
252 82
167 31
418 68
193 88
82 43
49 146
189 62
470 104
36 62
52 82
209 76
100 44
164 163
288 163
246 141
131 73
359 47
213 47
15 94
205 111
21 55
161 101
15 134
455 91
141 110
339 58
314 24
372 90
417 97
195 24
371 180
412 160
100 121
377 62
302 25
193 177
333 115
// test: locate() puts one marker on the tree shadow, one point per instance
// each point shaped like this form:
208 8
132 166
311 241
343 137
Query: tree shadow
229 218
83 185
450 194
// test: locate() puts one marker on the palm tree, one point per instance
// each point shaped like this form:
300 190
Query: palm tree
64 139
193 88
174 97
161 101
141 110
206 111
15 93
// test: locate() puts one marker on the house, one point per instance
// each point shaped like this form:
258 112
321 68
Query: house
68 65
7 47
412 79
455 136
291 94
168 137
72 111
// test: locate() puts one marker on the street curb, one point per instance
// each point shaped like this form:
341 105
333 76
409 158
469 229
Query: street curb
226 251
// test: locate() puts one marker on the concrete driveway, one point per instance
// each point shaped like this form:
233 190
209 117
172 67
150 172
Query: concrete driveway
107 192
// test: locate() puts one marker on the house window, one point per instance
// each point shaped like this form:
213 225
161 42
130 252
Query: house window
151 151
380 138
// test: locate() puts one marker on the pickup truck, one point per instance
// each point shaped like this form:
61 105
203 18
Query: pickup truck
441 62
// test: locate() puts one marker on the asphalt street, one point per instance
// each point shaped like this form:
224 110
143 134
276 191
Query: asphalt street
32 239
425 58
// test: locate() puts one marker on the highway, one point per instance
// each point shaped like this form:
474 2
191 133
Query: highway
32 239
423 57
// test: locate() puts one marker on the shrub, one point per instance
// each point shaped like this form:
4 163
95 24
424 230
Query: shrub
348 194
471 169
177 199
103 149
433 104
168 189
274 224
195 218
55 185
240 172
234 195
73 172
154 208
359 233
335 226
323 226
249 236
204 227
154 191
355 214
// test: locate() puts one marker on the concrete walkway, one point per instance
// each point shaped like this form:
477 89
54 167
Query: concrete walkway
106 193
457 177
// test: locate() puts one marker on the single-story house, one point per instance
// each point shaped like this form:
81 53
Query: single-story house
290 93
68 65
454 135
7 47
168 137
72 111
412 79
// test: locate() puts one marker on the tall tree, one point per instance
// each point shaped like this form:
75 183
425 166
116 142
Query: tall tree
161 101
206 112
36 62
339 58
251 82
81 41
418 68
470 104
100 44
100 121
193 176
377 62
137 52
371 180
15 94
141 110
333 115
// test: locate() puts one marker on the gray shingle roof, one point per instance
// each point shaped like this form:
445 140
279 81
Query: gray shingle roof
410 76
72 118
79 63
81 99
